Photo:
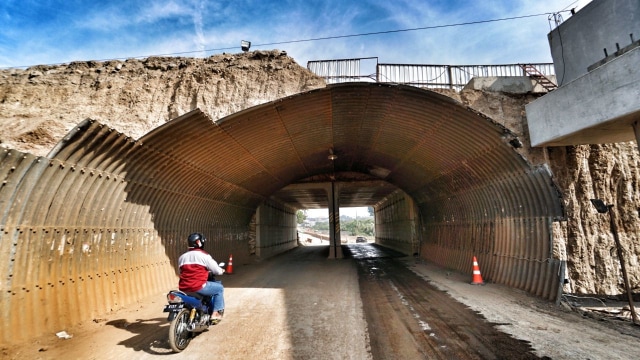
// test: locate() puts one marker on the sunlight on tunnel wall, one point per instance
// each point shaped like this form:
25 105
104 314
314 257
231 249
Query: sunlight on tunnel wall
70 249
94 229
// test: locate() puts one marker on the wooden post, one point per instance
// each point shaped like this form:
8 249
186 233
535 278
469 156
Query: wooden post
627 287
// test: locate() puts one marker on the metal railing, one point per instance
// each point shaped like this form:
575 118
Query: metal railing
426 76
344 70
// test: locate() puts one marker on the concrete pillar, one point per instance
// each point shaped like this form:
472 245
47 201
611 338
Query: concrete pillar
335 243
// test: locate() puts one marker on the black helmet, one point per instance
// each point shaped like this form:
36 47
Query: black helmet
196 240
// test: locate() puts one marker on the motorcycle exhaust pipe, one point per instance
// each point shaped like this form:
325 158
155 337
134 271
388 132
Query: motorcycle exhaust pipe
199 326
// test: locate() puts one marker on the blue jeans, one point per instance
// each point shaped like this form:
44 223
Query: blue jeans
216 291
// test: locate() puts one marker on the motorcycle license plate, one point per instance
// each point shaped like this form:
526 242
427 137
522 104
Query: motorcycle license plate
173 307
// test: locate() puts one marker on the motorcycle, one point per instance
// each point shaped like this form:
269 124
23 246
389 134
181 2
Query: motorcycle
188 315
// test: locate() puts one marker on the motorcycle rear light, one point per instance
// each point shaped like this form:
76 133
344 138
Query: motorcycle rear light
173 299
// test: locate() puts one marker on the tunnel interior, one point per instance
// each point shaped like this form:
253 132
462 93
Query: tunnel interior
104 216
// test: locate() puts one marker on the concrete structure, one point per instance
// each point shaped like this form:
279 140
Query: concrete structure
591 34
508 84
596 55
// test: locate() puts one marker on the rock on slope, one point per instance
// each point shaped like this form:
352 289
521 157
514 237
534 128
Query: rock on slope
39 105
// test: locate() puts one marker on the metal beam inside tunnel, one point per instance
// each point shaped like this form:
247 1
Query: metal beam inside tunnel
353 193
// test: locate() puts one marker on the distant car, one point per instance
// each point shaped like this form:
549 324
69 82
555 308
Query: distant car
361 239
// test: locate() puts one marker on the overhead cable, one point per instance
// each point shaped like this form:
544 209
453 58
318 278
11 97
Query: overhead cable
330 37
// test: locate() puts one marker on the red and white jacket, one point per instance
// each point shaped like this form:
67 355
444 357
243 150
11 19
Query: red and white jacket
194 266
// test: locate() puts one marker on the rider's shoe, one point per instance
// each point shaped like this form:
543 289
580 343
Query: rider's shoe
216 317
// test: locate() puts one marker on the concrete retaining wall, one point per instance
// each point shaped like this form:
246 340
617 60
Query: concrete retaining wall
583 39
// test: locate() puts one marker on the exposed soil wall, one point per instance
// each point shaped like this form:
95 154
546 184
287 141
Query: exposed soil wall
39 105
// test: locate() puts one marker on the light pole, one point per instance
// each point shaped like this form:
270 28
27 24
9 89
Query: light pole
602 208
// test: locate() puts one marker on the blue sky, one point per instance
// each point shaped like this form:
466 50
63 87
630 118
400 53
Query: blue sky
36 32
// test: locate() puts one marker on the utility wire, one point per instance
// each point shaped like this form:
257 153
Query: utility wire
406 30
326 38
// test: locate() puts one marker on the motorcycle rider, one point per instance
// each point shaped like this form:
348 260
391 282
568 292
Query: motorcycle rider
195 265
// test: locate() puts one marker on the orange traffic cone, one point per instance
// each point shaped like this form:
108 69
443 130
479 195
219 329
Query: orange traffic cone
477 278
229 269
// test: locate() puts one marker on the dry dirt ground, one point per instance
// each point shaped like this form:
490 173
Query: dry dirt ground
374 305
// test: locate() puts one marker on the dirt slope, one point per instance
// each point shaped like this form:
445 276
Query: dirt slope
39 105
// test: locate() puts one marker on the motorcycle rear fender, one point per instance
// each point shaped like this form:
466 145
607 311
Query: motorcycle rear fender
189 301
172 315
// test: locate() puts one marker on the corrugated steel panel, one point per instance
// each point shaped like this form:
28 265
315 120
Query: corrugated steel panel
102 220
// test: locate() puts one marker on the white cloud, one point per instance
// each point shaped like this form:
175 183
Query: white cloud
113 29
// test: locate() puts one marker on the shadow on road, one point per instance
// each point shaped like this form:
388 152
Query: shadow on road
149 336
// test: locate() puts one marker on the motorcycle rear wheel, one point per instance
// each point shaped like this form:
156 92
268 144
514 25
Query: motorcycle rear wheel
179 336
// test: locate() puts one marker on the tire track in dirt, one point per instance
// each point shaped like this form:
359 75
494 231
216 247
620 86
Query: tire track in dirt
409 318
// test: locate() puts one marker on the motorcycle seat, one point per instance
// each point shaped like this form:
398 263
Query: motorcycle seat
195 295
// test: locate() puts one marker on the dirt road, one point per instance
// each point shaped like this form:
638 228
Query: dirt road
409 318
301 305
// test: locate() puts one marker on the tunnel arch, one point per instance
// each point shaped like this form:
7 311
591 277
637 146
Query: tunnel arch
101 220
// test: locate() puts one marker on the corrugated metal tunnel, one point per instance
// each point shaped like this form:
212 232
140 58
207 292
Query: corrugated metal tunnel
100 221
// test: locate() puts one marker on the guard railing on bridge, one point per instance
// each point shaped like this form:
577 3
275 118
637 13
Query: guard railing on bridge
425 76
